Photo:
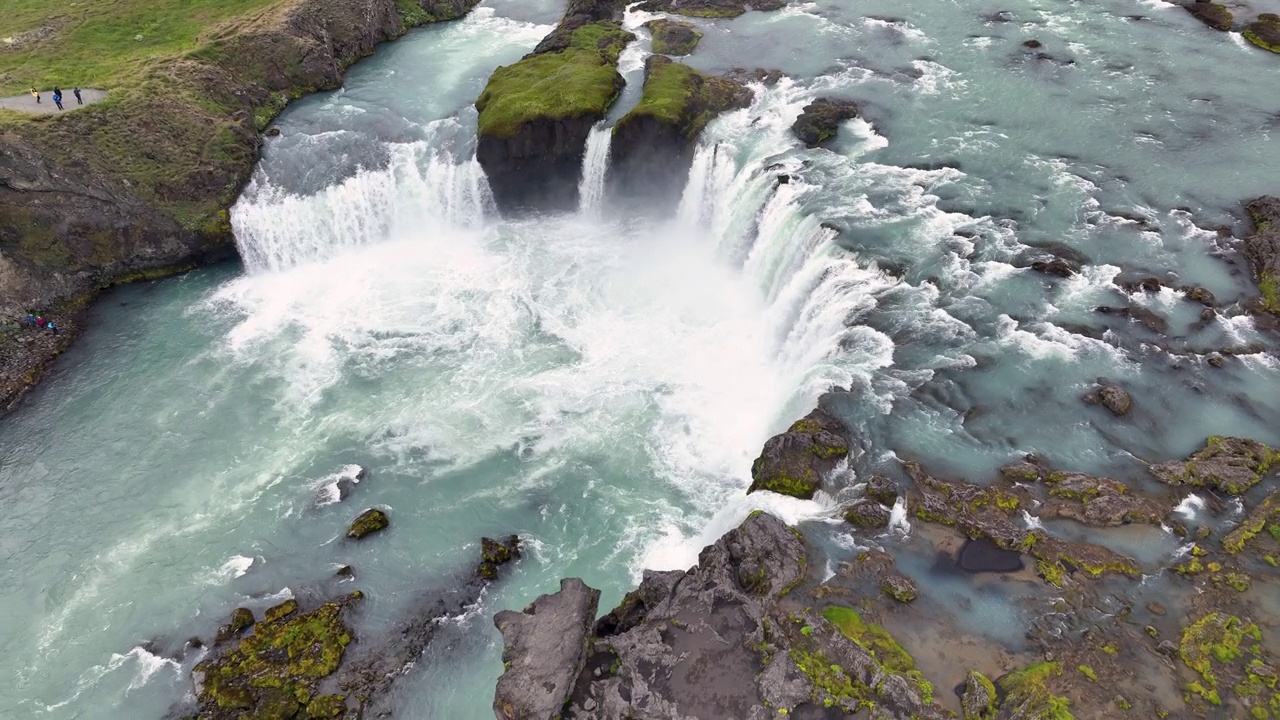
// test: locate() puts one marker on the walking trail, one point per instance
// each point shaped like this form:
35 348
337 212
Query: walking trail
26 103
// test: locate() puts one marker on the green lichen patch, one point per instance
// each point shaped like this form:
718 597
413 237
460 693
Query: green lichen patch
882 646
275 671
573 83
283 610
1028 691
1265 512
1216 637
1231 465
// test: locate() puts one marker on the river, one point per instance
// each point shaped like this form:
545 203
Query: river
600 382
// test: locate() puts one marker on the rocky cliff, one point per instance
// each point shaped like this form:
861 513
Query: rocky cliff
535 115
653 144
767 625
139 185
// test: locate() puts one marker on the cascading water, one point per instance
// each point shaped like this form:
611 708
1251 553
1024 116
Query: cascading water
595 167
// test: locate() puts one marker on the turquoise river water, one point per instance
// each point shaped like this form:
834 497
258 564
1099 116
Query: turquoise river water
600 382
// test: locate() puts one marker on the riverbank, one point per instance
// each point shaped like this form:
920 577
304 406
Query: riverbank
138 185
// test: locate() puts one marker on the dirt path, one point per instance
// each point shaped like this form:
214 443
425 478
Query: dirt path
26 103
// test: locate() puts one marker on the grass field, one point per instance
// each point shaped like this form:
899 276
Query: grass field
105 44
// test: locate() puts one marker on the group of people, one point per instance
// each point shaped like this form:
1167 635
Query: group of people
37 321
57 96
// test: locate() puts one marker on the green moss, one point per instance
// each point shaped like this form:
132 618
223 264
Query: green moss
1053 572
572 83
831 680
1269 283
1109 649
1122 703
284 609
1216 637
1005 500
1028 689
1253 523
1088 672
605 37
676 94
1209 695
326 706
989 687
1238 581
277 667
877 641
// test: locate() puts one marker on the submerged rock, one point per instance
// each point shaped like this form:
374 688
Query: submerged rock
1230 465
1058 267
367 523
793 462
495 553
1212 14
1265 32
653 144
982 555
544 649
820 120
672 37
882 490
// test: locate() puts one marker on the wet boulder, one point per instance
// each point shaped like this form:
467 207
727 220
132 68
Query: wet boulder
367 523
882 490
1112 397
673 37
1057 267
241 619
1212 14
793 463
1262 250
867 514
820 120
1227 464
899 587
1265 33
495 553
1099 501
544 649
1195 293
978 702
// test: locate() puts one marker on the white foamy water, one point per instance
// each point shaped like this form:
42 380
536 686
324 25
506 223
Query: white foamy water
595 167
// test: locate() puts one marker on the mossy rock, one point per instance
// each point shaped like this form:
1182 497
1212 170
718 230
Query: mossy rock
792 462
495 553
672 37
978 702
820 120
326 706
283 610
867 514
241 618
1232 465
579 81
1027 694
677 95
899 588
1212 14
274 672
882 646
1265 33
368 522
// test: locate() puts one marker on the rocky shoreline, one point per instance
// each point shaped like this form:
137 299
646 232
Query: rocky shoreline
81 210
758 630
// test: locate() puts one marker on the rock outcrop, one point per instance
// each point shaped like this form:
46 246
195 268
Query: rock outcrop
535 115
1264 32
653 144
1213 14
720 640
1262 249
82 209
672 37
794 462
1226 464
545 648
1112 397
820 120
367 523
711 8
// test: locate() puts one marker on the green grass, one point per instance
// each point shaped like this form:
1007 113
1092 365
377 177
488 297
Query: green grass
95 43
881 645
571 83
676 94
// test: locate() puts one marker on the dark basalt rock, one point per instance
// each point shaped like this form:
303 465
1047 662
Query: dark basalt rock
1199 294
1212 14
653 144
867 514
544 649
882 490
1134 283
241 619
757 75
793 462
1058 267
1112 397
1227 464
495 553
978 698
982 555
1033 44
672 37
1262 249
1265 32
1098 501
820 120
711 8
367 523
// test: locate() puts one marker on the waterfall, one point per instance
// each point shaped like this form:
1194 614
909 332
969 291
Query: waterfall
595 165
422 189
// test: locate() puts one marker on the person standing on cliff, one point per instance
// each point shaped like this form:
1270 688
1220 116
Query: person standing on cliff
57 98
40 321
79 100
53 327
35 94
